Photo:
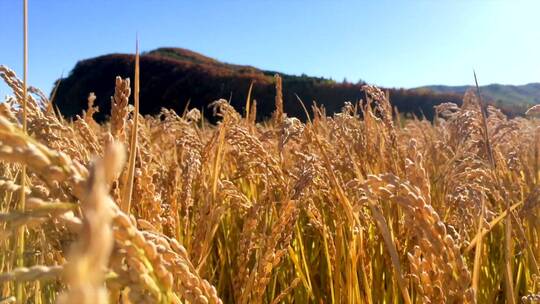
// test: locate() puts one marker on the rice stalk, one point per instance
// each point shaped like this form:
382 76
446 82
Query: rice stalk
128 184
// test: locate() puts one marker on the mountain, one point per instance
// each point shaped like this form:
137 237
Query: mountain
518 95
175 78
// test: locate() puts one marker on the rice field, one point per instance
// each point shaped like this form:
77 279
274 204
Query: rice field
355 207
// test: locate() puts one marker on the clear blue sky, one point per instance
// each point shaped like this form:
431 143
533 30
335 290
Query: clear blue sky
389 43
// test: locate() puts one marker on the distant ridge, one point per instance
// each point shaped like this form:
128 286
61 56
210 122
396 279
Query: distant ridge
175 77
521 95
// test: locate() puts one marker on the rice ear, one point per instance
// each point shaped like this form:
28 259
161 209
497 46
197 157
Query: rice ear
89 256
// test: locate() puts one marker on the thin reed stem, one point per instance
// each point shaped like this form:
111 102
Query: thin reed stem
22 193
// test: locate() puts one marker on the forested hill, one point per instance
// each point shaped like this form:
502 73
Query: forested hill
172 77
516 96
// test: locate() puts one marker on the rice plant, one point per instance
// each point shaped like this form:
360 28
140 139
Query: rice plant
351 208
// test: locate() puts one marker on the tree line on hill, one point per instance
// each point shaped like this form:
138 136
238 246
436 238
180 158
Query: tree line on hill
176 78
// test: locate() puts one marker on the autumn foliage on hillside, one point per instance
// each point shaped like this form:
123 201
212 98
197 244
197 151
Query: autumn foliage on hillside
174 77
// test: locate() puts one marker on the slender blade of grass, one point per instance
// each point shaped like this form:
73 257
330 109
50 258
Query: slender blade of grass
478 253
22 201
248 101
128 190
383 228
510 297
